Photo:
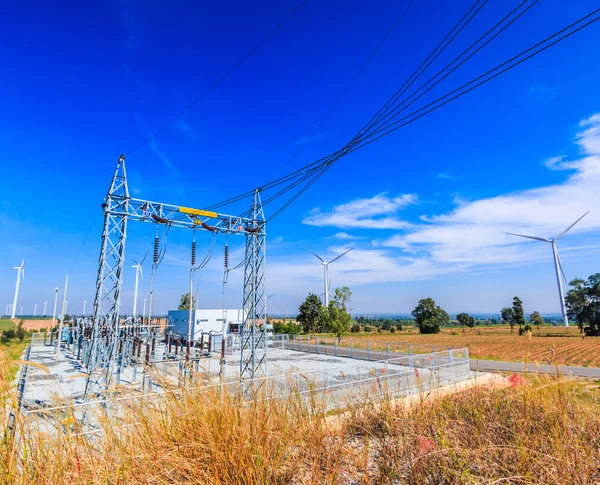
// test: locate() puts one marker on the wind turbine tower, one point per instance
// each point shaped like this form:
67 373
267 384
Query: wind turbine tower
20 274
45 305
84 305
557 265
326 272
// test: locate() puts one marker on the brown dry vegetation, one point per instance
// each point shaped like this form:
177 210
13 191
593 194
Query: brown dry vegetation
498 343
537 431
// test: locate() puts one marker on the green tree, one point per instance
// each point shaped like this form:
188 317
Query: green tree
184 303
536 319
465 320
429 316
507 317
336 318
21 332
518 314
310 313
583 304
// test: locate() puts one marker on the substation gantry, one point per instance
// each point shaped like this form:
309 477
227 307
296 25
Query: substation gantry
108 341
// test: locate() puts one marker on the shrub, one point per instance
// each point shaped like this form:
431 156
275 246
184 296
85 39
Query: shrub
368 329
393 330
355 328
526 328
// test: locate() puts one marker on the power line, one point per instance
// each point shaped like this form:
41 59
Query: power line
221 79
362 68
422 68
459 92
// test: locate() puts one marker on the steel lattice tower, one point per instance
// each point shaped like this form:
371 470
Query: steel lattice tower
107 301
253 345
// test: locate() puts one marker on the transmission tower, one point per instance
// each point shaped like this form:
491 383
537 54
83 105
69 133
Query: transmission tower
108 345
255 301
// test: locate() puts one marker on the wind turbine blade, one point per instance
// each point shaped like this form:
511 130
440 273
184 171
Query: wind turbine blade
320 258
529 237
345 252
560 266
570 227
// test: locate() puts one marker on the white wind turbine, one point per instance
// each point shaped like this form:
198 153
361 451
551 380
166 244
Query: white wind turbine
557 266
20 274
326 272
138 271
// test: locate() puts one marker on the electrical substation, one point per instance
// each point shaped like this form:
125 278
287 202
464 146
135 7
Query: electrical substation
143 355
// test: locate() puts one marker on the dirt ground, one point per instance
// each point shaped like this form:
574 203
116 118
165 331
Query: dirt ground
34 324
548 344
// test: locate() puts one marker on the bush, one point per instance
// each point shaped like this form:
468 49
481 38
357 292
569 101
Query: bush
393 330
355 328
368 329
398 327
523 330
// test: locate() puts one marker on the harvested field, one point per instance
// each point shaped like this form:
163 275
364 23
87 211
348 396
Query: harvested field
554 344
35 324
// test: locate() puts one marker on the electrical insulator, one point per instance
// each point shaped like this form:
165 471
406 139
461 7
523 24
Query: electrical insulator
226 256
156 249
194 252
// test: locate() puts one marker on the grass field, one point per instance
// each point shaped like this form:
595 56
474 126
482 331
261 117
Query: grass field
564 346
542 431
6 324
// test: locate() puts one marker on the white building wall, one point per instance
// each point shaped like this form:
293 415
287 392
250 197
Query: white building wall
204 321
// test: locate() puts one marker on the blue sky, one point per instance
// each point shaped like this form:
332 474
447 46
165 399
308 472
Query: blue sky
425 208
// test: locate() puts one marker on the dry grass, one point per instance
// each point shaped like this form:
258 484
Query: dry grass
536 431
498 343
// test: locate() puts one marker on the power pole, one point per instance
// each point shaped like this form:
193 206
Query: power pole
60 324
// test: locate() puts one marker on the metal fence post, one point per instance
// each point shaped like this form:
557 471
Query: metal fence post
351 349
450 359
317 344
387 350
300 343
368 350
335 347
409 349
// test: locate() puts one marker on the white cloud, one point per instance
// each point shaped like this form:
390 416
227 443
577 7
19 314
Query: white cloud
344 235
358 267
378 212
474 232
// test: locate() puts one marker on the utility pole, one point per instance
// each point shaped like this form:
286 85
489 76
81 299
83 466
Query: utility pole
54 314
60 324
20 274
45 305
